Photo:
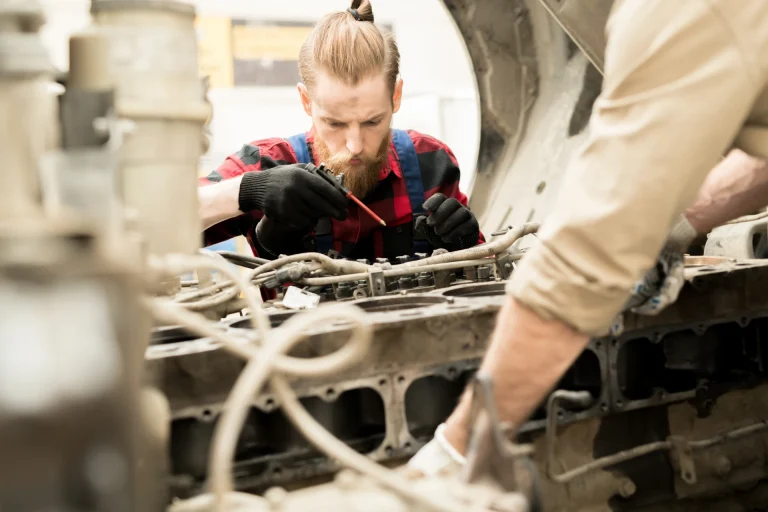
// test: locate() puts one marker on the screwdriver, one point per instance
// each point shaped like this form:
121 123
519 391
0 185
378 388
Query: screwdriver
324 173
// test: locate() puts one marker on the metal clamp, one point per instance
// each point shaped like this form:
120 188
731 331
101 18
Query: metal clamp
491 457
377 281
681 452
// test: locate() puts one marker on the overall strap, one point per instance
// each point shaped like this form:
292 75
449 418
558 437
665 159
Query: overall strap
409 164
299 144
324 229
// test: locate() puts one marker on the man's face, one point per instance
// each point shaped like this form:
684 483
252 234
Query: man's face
352 126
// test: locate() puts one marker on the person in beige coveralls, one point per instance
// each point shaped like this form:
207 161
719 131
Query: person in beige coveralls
685 81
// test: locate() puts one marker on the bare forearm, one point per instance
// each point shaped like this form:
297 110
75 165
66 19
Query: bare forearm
737 186
526 358
219 202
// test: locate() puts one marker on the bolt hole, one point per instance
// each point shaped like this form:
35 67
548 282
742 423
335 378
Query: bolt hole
407 446
400 379
619 403
451 372
330 392
382 382
389 450
277 471
598 344
604 407
270 402
207 414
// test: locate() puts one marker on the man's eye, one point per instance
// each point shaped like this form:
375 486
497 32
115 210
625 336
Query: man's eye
334 124
372 123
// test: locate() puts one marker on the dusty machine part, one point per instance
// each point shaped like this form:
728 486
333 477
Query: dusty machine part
536 90
67 405
499 36
742 240
28 127
159 91
620 441
82 177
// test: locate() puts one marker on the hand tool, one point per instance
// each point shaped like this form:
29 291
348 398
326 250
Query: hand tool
335 181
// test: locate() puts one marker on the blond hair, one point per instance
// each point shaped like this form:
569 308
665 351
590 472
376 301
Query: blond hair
349 47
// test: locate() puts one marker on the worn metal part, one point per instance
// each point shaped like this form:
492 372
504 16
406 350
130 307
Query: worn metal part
159 91
671 376
28 127
741 240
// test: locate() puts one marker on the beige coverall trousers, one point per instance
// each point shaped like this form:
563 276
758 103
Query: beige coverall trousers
685 80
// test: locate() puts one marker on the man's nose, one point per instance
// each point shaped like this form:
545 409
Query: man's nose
354 141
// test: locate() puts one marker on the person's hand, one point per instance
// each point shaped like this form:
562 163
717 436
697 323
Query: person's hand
437 457
448 224
661 285
291 195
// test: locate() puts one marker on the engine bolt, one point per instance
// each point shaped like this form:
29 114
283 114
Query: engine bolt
275 497
723 466
627 488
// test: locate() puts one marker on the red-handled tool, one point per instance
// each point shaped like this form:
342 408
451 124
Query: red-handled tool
328 176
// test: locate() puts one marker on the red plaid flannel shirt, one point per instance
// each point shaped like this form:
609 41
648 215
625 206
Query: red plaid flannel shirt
359 236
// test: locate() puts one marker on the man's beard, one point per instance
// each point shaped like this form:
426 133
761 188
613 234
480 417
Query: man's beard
360 178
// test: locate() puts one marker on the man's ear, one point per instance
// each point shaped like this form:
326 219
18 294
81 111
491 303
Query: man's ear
304 96
397 98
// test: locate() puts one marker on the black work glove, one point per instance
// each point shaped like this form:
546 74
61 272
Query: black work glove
278 238
291 195
449 224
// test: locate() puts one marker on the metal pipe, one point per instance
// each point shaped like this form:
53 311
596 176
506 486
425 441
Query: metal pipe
28 126
625 455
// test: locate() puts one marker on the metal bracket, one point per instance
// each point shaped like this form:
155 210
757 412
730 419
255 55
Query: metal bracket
505 264
681 452
580 398
377 282
491 457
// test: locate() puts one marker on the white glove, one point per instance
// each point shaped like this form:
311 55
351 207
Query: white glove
437 456
661 285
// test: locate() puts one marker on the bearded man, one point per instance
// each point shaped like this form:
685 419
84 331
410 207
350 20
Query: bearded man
350 88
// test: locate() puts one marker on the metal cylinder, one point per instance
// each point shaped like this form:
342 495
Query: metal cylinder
70 333
153 61
28 126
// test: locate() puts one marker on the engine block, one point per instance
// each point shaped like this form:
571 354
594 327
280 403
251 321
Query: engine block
695 371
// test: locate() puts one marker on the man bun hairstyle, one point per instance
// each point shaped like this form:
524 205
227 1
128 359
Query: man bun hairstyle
349 47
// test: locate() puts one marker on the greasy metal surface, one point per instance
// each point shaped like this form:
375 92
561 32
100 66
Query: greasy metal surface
702 354
499 37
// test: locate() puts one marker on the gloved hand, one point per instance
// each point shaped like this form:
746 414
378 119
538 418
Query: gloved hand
291 195
449 224
278 238
661 285
435 457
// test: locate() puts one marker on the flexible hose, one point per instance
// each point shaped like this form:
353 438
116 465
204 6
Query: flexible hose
395 272
328 264
253 378
220 298
181 263
271 358
477 252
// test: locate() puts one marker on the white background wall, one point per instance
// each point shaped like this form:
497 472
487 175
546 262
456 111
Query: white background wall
439 96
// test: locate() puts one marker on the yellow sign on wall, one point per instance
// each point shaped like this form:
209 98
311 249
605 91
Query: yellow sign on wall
214 39
255 42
